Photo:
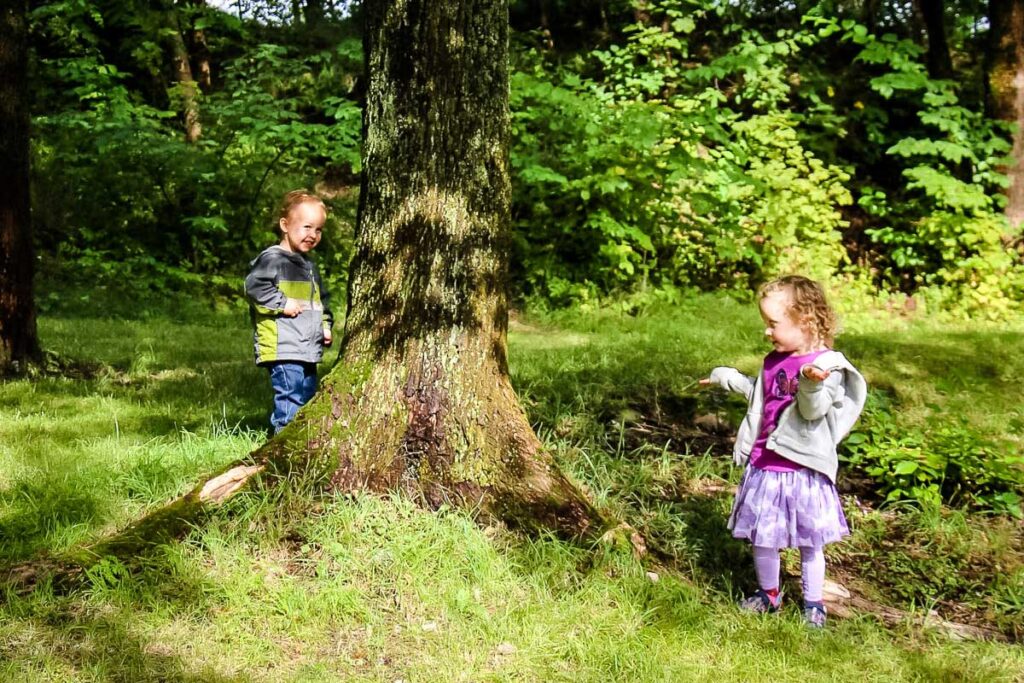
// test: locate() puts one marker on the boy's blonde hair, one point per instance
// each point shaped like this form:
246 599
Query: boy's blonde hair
296 197
808 305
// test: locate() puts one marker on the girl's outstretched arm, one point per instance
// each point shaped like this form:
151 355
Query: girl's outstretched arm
732 380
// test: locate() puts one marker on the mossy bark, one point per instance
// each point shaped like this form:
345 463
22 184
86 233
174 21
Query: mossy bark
421 400
424 402
1005 71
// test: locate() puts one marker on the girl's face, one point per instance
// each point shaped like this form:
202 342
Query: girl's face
303 227
786 334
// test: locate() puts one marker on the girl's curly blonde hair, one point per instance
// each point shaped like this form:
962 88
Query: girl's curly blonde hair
808 306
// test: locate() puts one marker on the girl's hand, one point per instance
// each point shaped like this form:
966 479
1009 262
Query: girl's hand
705 381
328 337
814 373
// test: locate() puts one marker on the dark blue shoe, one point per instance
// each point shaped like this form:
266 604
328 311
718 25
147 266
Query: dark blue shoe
761 603
814 614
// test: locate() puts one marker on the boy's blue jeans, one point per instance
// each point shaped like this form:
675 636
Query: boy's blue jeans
294 383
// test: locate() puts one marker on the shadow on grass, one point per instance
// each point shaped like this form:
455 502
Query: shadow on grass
956 361
99 631
38 510
108 648
715 556
600 384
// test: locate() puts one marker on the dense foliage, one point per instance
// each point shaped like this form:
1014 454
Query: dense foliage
122 197
656 144
701 148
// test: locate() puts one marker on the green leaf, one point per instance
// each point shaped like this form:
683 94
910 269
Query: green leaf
905 467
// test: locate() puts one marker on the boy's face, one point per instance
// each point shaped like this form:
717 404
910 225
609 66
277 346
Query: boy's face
303 227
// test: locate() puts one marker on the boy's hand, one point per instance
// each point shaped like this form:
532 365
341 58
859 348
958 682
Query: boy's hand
705 381
293 307
328 337
814 373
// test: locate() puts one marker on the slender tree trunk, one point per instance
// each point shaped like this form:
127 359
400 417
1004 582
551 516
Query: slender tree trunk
18 341
200 49
313 12
1006 92
186 83
545 26
869 13
933 14
641 12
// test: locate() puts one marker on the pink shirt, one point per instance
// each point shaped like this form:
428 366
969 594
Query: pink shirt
780 377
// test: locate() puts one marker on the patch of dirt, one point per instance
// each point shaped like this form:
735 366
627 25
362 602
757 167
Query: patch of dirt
954 621
55 365
690 424
956 570
859 486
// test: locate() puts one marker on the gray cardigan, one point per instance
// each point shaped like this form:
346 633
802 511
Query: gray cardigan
812 426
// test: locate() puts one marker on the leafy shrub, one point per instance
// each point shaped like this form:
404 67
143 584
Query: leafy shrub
943 230
942 463
650 175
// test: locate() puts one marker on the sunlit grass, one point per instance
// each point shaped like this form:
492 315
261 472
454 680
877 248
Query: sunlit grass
375 589
281 586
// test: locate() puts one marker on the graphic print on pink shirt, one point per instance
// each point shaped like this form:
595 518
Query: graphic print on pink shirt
780 379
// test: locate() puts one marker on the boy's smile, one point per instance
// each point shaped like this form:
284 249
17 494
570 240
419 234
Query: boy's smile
303 227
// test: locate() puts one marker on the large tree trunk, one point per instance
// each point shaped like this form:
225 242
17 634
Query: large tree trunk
18 341
421 401
1006 92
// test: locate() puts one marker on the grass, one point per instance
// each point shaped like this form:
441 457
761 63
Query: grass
281 586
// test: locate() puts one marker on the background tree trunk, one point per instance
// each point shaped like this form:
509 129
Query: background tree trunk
18 340
313 12
188 89
933 14
1006 91
869 13
199 48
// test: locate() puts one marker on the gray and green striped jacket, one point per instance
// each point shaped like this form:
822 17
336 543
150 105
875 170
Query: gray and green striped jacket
277 275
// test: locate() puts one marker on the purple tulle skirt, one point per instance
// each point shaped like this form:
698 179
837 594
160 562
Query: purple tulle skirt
787 509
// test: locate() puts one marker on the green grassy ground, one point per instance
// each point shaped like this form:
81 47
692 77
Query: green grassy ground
279 587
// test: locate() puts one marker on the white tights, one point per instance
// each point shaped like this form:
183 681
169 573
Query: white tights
812 570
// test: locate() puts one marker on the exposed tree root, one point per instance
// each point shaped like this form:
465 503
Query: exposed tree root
843 604
537 498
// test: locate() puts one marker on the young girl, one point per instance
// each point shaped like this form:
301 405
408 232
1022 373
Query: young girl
802 403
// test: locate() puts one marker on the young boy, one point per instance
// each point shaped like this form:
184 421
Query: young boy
288 305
